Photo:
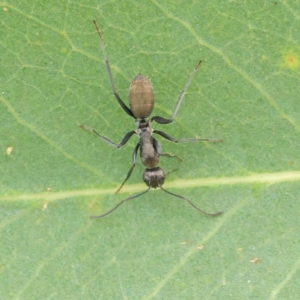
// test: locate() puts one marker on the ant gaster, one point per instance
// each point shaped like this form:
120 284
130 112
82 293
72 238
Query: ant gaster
141 101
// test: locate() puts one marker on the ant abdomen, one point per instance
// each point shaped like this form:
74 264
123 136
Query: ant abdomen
141 97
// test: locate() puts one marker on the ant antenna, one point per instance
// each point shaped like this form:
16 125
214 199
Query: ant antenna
127 199
192 204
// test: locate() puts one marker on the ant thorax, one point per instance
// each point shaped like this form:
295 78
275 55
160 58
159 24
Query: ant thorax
149 154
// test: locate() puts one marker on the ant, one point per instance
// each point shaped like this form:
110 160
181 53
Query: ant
141 102
154 178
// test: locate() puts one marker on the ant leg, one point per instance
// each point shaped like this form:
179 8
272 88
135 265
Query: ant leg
129 198
166 136
108 141
171 171
121 103
162 120
192 204
132 167
171 155
158 148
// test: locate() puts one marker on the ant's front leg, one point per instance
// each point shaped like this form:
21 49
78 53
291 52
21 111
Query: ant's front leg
158 149
135 151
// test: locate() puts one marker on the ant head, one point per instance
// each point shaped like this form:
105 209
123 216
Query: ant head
154 177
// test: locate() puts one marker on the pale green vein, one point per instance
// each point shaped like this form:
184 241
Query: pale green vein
218 51
46 139
290 10
269 178
48 260
194 250
60 32
31 18
289 276
140 227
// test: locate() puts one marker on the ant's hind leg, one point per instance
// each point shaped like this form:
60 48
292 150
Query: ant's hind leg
121 103
162 120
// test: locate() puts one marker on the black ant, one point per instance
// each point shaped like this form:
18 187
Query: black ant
141 101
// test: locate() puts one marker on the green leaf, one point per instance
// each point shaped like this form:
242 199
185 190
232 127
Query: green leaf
54 174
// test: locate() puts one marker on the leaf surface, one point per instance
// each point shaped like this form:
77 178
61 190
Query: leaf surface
54 174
